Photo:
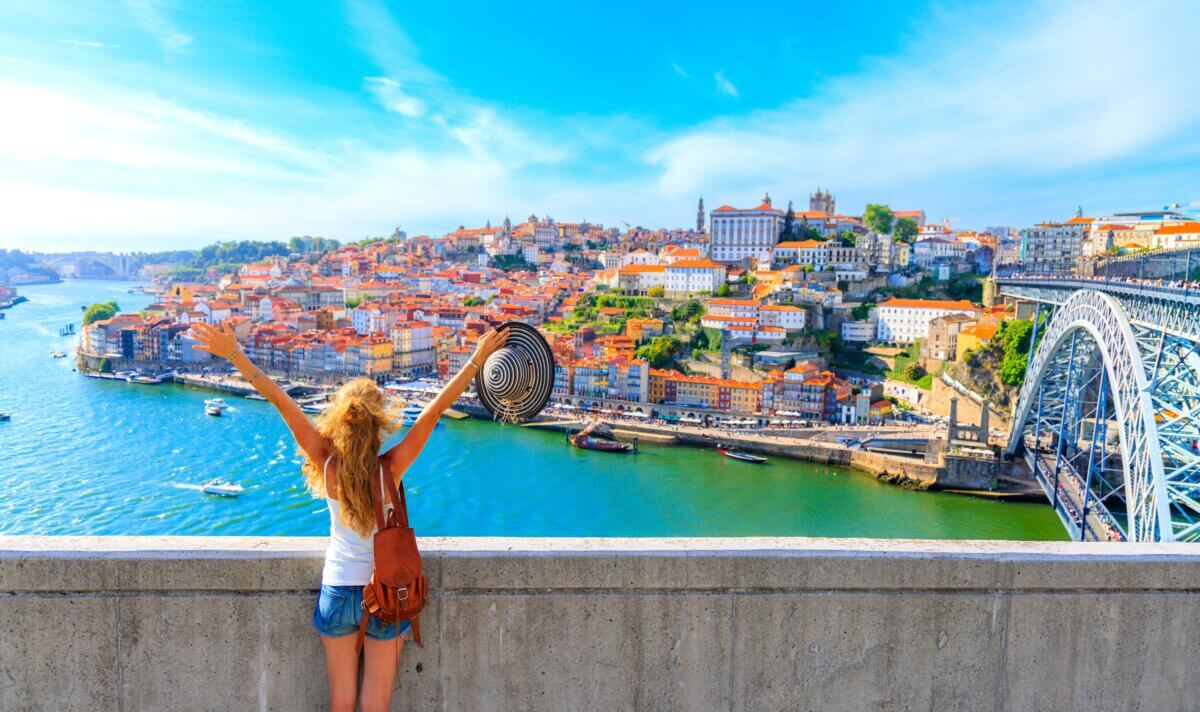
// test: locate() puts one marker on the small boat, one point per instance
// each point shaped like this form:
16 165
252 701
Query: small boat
584 441
143 379
743 456
57 354
411 412
5 416
255 396
215 406
220 487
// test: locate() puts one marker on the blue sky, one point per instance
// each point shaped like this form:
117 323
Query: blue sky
152 124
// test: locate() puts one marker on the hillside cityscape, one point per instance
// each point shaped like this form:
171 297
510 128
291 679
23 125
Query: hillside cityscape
767 311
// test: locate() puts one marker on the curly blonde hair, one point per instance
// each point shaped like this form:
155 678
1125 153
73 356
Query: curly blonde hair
355 426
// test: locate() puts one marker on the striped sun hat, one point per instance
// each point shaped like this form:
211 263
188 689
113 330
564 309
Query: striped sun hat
514 383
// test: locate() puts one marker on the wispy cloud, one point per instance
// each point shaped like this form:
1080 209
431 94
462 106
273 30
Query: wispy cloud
680 70
89 43
152 18
725 86
389 93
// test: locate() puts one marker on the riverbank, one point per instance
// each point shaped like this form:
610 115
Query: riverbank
816 445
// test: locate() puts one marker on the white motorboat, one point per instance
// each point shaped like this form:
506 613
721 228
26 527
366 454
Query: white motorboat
215 406
220 487
256 396
411 412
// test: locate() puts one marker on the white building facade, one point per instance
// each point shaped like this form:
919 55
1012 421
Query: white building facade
740 234
906 320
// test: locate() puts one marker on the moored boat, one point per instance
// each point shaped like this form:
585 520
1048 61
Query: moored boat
58 354
215 407
584 441
742 456
411 412
220 487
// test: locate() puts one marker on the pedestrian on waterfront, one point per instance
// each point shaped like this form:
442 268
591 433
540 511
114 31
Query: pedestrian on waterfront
341 462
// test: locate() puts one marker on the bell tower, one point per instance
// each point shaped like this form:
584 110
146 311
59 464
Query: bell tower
700 215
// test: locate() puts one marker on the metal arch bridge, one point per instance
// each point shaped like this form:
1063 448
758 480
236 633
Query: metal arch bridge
1109 413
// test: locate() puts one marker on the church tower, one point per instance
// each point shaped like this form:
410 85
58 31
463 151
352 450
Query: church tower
822 202
700 215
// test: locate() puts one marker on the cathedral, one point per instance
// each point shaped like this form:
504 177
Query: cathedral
821 202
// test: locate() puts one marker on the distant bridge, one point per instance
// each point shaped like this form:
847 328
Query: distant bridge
1107 416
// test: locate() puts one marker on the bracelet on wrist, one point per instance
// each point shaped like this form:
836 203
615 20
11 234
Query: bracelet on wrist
472 362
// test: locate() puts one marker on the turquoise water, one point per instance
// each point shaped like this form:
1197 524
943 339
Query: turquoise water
82 456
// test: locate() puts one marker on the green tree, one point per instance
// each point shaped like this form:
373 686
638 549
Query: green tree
808 232
354 302
905 230
788 231
848 238
724 290
915 371
656 292
879 218
688 312
862 311
100 311
472 301
660 352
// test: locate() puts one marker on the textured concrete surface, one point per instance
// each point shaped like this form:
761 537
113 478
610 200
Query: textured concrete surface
615 624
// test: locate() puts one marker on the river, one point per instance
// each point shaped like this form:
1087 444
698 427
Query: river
82 456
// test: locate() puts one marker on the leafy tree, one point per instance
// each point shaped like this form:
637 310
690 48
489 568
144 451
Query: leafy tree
915 371
656 292
808 232
354 302
788 231
472 301
905 230
100 311
660 352
688 312
862 311
848 238
879 218
724 290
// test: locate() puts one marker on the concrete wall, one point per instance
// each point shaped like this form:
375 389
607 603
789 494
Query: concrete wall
127 623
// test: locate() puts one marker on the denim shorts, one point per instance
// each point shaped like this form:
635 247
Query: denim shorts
339 612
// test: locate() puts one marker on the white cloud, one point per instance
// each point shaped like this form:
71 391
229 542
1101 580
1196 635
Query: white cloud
89 43
725 86
391 96
151 17
1037 95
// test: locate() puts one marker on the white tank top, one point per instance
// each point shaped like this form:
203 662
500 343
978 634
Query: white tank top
349 557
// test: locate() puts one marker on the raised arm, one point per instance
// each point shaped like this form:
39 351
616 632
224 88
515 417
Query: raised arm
403 455
220 342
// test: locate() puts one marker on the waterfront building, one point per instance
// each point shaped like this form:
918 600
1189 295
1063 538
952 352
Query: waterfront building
906 320
740 234
413 352
1177 236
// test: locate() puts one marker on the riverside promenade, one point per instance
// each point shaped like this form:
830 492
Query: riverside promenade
615 624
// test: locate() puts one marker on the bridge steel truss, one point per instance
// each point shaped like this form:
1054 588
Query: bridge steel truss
1109 413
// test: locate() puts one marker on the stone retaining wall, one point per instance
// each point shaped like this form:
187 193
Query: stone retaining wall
129 623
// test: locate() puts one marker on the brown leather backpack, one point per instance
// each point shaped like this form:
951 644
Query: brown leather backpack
397 590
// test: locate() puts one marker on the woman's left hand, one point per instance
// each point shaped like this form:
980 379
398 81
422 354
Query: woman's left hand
489 343
217 340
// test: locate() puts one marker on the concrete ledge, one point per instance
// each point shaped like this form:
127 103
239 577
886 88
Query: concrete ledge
645 624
